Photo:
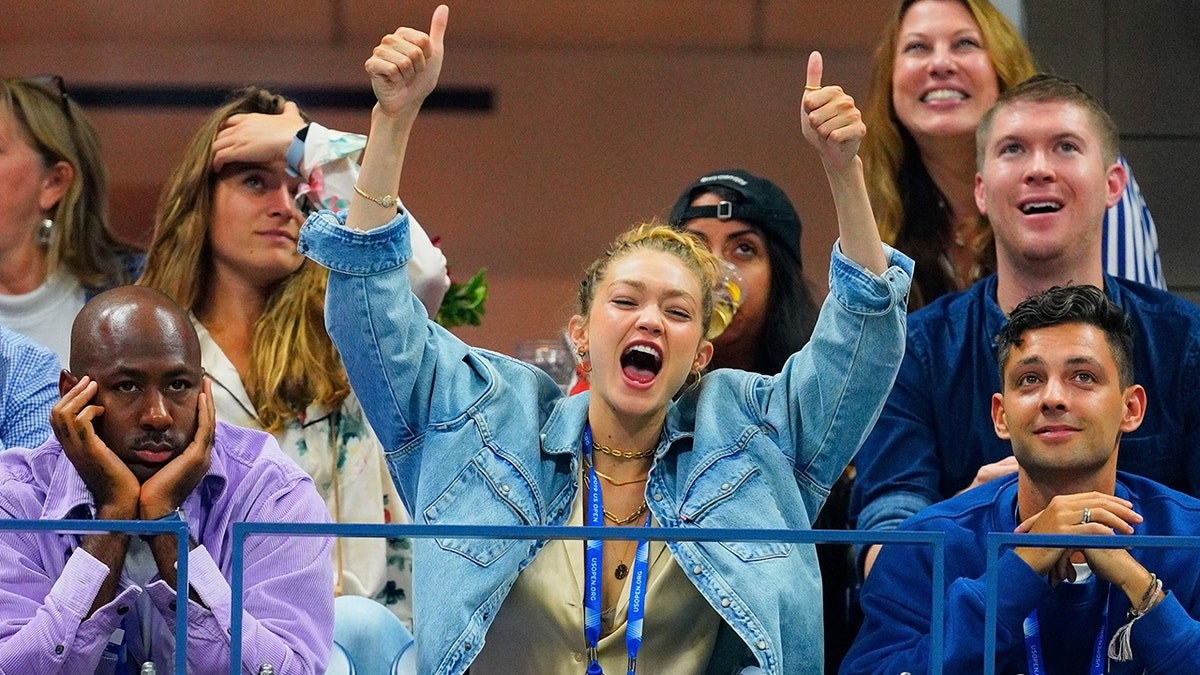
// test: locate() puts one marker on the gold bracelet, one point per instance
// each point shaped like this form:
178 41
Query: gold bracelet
386 201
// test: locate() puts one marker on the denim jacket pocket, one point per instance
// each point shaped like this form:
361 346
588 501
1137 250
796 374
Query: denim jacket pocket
487 491
733 493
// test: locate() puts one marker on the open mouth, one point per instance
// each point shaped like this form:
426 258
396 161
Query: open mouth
641 362
943 95
1039 207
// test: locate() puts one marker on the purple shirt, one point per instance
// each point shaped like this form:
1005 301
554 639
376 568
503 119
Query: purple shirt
48 583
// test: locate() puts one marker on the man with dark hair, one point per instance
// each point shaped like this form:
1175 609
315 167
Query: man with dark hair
1047 171
1066 397
135 438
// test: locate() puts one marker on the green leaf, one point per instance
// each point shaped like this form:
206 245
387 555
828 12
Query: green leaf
463 304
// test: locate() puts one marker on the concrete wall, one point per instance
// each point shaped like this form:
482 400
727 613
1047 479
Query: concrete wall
1143 60
604 110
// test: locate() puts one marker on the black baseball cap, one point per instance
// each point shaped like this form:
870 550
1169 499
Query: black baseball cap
762 203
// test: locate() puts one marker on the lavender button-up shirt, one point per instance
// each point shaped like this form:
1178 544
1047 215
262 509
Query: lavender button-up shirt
48 583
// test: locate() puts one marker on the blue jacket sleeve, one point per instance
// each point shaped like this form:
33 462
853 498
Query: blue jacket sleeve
898 470
829 394
897 608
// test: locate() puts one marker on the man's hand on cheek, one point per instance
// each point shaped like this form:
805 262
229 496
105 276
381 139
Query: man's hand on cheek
165 491
113 486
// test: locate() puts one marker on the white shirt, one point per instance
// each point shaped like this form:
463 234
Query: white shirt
46 313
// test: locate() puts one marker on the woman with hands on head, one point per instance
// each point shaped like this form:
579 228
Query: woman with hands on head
224 248
475 437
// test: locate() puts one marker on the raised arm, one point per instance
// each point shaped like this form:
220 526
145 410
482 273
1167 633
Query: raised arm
327 161
404 69
834 126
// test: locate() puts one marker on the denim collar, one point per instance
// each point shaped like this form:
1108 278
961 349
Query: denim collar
563 431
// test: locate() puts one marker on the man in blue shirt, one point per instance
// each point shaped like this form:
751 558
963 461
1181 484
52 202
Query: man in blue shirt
28 390
1046 156
1067 397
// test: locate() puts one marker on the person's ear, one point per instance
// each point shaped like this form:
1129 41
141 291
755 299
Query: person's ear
1115 180
66 381
999 422
577 331
55 184
1135 408
703 356
980 195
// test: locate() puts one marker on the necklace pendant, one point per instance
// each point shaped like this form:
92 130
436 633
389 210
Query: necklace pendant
621 572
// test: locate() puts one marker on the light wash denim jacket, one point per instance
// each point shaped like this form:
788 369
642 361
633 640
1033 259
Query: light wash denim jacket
476 437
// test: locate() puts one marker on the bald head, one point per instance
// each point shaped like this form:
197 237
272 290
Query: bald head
141 351
130 317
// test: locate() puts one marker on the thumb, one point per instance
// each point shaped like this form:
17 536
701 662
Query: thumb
815 67
437 27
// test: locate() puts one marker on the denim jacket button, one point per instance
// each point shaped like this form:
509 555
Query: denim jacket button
724 602
504 488
697 569
761 644
658 496
725 486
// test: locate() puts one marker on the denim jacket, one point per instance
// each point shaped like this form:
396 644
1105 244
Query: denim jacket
476 437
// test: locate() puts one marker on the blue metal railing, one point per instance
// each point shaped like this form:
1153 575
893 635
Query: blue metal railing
178 528
934 539
996 541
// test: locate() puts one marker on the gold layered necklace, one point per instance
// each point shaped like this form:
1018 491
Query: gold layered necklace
613 481
622 454
639 511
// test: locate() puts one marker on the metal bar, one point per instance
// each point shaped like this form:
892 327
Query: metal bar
470 99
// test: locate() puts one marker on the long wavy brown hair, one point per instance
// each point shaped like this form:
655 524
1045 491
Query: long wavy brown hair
906 201
56 127
293 363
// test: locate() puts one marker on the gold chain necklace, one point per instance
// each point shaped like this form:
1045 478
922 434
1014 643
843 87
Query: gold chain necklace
622 453
622 570
641 510
612 481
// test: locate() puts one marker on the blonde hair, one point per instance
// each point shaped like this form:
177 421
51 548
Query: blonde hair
895 174
293 363
57 130
655 236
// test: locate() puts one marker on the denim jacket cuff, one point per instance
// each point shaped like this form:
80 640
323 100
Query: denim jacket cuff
864 292
328 242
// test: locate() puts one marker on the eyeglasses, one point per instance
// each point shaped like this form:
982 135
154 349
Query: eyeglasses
53 86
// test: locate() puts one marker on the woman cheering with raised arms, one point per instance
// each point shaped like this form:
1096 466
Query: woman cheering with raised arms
475 437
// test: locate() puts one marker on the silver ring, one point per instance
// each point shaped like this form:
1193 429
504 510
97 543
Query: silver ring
1087 516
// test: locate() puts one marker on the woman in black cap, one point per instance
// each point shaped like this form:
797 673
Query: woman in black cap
750 224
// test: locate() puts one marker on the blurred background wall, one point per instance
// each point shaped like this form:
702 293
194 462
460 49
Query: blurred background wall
602 110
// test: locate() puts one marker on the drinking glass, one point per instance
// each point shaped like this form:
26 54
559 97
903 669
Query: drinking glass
552 356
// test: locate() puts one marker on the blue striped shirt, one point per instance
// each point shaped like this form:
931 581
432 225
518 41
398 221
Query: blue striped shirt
28 390
1130 240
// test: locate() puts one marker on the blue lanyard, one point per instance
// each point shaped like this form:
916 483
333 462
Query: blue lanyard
594 561
1033 642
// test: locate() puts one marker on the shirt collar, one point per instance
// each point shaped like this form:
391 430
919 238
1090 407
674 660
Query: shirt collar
563 432
68 497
